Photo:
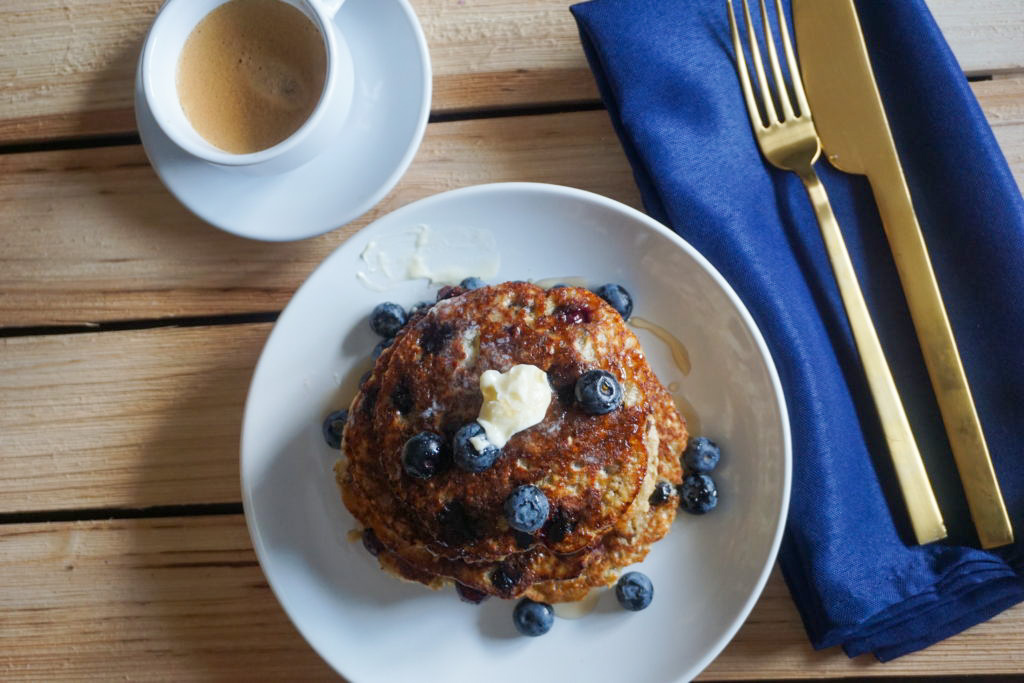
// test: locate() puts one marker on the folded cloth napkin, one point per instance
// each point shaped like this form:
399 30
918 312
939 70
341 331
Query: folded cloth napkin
665 71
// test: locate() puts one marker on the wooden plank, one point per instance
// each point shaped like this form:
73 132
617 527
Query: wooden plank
124 419
166 599
1002 100
92 235
988 46
67 66
184 599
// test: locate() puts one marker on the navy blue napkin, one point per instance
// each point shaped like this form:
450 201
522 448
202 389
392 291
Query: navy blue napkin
665 71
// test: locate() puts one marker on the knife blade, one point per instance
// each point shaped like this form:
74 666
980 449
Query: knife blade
855 135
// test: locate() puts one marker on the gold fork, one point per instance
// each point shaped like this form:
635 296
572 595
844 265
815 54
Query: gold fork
791 144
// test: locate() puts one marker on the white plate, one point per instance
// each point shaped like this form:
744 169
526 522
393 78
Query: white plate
389 114
707 572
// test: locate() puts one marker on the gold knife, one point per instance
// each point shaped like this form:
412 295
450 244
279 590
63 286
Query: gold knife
855 135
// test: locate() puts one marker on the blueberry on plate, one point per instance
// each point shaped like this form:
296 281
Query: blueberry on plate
526 509
471 283
662 493
423 454
387 319
471 450
332 427
381 345
618 298
533 618
701 455
598 392
634 591
698 494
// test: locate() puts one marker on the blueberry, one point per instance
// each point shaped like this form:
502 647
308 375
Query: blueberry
387 319
698 494
526 509
458 524
634 591
471 283
598 392
372 543
618 298
662 493
447 292
558 526
573 314
504 580
435 336
423 454
333 424
524 541
471 457
701 455
421 308
470 595
381 345
365 376
533 618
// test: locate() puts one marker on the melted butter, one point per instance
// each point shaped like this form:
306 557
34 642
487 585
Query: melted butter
578 610
443 256
679 353
571 280
689 414
513 401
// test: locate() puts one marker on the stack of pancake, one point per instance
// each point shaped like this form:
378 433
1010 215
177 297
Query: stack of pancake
597 471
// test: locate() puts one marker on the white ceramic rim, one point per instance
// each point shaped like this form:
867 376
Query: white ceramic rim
651 224
323 23
426 74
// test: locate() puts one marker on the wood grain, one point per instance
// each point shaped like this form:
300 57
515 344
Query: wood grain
983 47
124 419
67 66
184 599
92 235
167 599
1002 100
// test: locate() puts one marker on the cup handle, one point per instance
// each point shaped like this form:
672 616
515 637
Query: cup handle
330 6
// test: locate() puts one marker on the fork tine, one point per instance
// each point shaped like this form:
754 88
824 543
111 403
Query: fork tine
741 67
762 80
794 70
773 58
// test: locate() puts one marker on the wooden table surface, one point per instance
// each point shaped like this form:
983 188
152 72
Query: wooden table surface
129 329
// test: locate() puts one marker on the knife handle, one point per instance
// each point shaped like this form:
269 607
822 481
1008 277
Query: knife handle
925 517
935 335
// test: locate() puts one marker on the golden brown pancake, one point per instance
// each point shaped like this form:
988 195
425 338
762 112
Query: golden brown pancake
597 471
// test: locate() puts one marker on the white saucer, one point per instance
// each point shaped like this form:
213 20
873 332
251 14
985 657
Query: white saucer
707 572
384 129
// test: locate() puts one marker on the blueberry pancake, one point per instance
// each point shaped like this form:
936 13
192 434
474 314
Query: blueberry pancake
593 468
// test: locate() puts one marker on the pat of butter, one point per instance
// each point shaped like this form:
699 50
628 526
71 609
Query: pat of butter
513 401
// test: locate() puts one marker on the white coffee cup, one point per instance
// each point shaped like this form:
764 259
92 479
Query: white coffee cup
159 69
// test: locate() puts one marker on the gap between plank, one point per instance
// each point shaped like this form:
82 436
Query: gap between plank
101 514
143 324
127 139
